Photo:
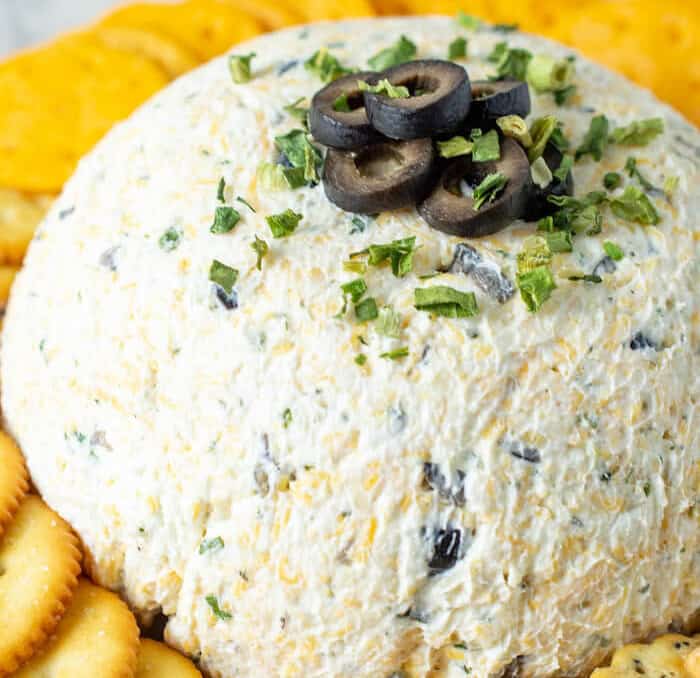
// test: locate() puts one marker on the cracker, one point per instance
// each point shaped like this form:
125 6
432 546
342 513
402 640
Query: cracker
98 636
7 276
157 660
40 562
19 217
59 100
172 57
206 27
692 663
271 14
14 482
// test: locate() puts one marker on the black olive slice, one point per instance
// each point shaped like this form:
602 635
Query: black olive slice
492 99
342 128
380 177
439 101
537 205
448 209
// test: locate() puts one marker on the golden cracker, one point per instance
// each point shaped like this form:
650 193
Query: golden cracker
40 562
97 636
173 58
272 14
19 217
7 277
206 27
14 480
157 660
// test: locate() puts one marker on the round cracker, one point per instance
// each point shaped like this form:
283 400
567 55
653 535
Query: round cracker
14 481
272 14
97 636
19 217
7 276
157 660
206 27
172 57
40 564
59 100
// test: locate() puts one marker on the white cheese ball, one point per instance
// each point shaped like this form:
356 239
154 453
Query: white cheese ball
516 496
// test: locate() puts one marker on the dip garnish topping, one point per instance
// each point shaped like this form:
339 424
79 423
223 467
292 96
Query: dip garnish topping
457 49
613 251
239 67
325 66
445 301
596 140
261 248
225 219
222 275
638 133
283 224
400 52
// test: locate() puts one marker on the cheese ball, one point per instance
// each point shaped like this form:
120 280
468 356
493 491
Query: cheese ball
304 493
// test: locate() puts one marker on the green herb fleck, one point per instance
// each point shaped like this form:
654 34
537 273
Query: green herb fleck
366 309
456 146
222 275
273 177
341 104
300 113
633 172
400 52
467 21
300 152
596 140
388 322
457 49
225 218
562 96
261 248
671 184
354 289
510 63
646 488
559 241
547 74
213 603
208 545
396 354
384 87
541 132
360 359
488 189
634 205
358 225
515 127
358 267
220 190
486 146
588 277
246 203
612 180
325 66
558 139
565 166
613 251
445 301
283 224
398 252
638 133
536 287
286 418
171 239
534 254
239 67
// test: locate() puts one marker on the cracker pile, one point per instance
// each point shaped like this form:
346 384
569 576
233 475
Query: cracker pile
52 622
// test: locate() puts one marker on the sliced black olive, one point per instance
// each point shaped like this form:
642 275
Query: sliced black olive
380 177
342 128
537 205
439 101
449 208
493 99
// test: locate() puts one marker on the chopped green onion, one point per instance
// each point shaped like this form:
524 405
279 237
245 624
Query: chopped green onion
216 610
261 248
613 251
456 146
296 147
467 21
589 220
171 239
325 66
559 241
396 354
534 254
286 418
565 166
384 87
445 301
541 174
366 309
360 359
358 267
457 49
612 180
301 113
510 63
596 140
341 104
515 127
558 140
547 74
245 202
239 67
400 52
486 146
562 96
633 172
221 190
215 544
671 185
354 289
541 131
225 219
588 277
488 189
388 322
283 224
222 275
536 286
399 253
634 205
638 133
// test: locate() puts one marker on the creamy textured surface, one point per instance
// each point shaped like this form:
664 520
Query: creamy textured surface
153 418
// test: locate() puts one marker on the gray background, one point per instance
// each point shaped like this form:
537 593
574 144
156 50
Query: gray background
27 22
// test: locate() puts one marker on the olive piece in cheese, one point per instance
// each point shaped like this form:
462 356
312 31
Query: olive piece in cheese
538 205
439 100
450 208
492 99
337 117
379 177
